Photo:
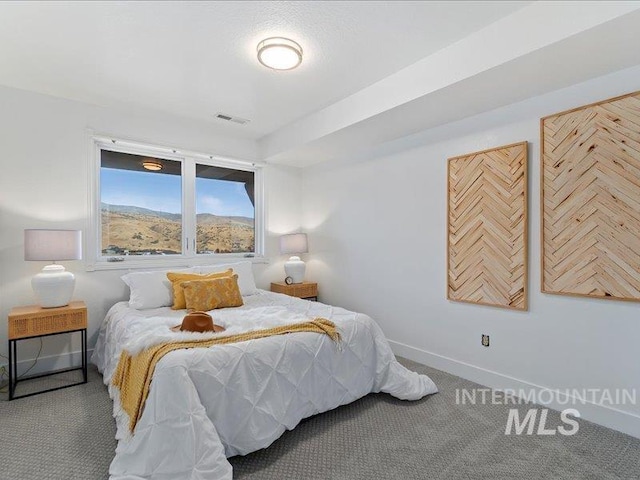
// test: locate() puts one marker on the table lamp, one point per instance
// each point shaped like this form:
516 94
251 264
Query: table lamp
53 286
294 243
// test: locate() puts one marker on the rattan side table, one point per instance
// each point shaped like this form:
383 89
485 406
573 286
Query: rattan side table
33 321
304 290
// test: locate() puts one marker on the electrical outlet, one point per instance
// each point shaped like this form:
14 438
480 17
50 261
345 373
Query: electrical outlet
485 340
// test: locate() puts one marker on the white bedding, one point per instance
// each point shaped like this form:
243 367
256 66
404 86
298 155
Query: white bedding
205 405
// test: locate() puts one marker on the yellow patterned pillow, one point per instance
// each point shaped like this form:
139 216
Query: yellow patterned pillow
207 295
177 278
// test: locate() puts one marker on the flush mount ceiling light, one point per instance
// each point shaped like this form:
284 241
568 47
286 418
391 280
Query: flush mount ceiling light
279 53
153 166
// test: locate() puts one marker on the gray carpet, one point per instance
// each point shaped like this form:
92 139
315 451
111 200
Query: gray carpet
69 434
66 434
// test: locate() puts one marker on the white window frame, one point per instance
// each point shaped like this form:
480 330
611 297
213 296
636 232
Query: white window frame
93 251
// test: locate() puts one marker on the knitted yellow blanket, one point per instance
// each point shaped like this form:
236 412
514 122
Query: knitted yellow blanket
133 374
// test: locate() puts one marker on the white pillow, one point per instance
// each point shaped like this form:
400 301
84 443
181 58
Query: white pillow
151 289
245 275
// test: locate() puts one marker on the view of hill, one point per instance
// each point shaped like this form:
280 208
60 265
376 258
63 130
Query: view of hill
131 210
139 231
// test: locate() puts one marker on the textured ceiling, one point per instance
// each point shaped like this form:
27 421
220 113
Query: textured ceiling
540 48
195 59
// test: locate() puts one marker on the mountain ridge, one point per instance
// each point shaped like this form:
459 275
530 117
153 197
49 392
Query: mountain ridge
206 218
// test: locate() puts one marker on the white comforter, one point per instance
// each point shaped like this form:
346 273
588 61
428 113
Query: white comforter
205 405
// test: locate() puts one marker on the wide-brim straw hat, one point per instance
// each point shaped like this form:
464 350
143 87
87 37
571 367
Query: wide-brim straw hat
198 322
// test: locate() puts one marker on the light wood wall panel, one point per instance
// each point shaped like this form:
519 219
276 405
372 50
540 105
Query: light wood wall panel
590 200
487 231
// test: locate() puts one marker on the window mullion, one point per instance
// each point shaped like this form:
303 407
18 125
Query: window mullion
188 207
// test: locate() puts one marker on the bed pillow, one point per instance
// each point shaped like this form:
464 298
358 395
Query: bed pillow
177 278
151 289
204 295
245 275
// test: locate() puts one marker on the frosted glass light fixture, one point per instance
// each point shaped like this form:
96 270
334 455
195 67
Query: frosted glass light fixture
294 243
151 165
279 53
53 286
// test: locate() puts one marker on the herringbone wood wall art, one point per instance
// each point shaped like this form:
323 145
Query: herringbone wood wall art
487 211
590 200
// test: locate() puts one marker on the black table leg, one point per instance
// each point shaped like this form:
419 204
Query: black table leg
10 370
13 366
84 355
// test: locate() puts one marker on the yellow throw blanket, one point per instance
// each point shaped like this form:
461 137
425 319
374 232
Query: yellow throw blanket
133 374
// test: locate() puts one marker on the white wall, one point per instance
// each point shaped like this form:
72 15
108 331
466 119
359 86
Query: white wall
43 184
377 233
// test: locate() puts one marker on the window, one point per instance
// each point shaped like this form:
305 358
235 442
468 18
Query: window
140 209
154 205
225 210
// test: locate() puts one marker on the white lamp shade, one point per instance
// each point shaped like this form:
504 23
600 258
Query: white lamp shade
294 243
52 245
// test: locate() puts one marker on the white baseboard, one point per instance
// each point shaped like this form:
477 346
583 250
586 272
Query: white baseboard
51 363
605 415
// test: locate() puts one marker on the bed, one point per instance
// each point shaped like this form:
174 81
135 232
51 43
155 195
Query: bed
206 405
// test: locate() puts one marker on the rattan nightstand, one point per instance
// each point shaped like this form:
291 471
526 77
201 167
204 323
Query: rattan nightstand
305 290
32 322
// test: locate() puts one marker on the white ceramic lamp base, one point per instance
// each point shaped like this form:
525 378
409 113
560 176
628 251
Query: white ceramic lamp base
294 268
53 286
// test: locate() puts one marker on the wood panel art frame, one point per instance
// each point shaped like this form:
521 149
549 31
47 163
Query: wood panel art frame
590 200
487 227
